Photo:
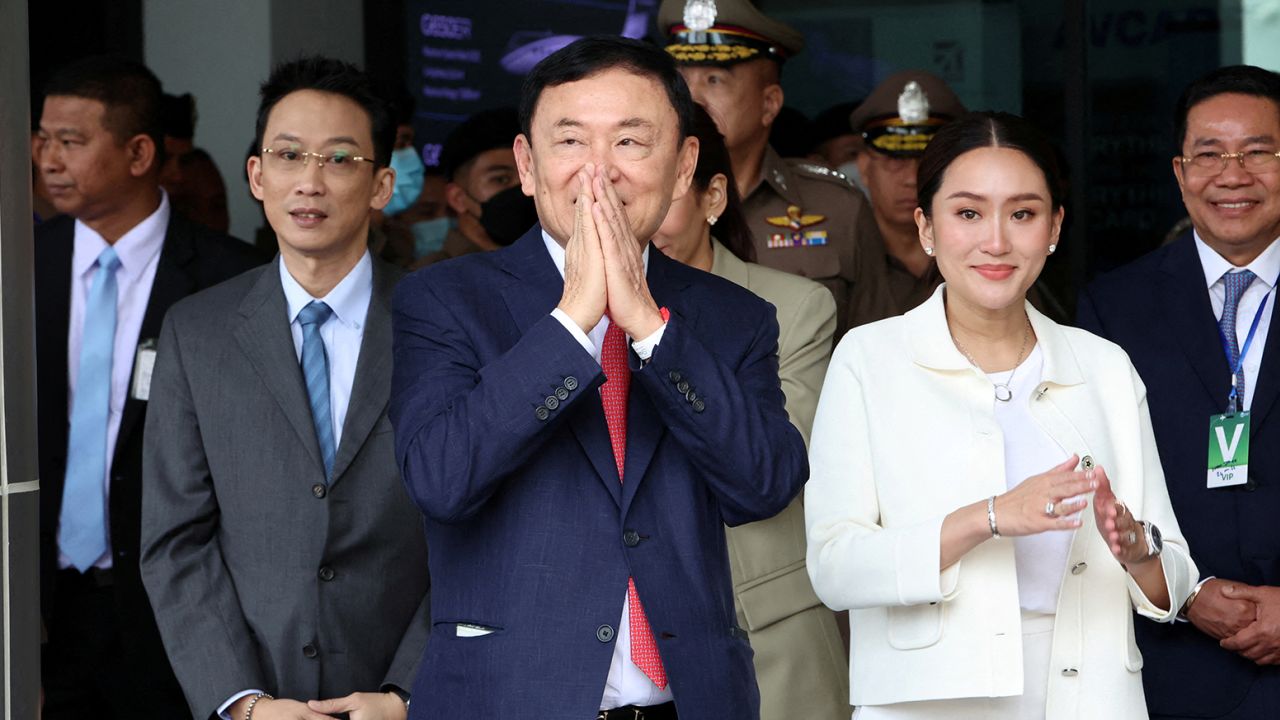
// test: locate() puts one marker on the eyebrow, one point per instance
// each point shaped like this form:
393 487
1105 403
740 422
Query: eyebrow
63 132
336 140
1020 197
1251 140
631 122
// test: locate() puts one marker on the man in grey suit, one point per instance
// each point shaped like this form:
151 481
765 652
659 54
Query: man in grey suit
283 557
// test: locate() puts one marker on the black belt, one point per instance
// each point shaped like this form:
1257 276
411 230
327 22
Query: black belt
92 578
665 711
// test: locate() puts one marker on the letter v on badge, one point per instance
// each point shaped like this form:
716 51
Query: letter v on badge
1228 450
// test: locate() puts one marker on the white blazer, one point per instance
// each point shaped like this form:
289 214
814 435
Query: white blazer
906 433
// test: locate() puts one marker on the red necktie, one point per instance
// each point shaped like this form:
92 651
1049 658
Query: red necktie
613 358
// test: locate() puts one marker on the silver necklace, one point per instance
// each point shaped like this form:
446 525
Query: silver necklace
1004 393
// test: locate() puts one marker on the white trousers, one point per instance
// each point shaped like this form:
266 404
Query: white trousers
1037 644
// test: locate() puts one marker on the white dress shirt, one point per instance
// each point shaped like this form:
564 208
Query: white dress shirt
1267 267
139 253
626 684
342 334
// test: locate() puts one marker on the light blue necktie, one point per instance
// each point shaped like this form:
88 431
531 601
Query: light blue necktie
315 371
1236 283
82 526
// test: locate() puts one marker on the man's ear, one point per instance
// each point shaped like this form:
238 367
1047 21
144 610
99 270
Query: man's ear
772 104
524 164
142 155
253 168
456 198
686 163
384 182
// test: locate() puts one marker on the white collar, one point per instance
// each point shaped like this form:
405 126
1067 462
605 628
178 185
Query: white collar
349 299
557 253
1266 266
135 248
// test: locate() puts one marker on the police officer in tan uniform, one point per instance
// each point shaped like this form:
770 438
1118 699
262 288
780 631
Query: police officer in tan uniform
897 121
806 219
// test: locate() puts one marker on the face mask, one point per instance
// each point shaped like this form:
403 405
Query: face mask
409 172
508 215
850 170
428 235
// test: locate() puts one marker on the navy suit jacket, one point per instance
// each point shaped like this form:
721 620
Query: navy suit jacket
1157 309
503 444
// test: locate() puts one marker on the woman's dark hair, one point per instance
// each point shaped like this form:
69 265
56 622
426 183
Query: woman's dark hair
975 130
713 158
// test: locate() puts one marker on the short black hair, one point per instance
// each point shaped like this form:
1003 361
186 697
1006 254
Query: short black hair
178 116
595 54
481 132
329 75
129 91
975 130
1238 79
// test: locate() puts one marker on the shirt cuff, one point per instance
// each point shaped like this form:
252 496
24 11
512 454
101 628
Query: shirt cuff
223 710
575 331
644 348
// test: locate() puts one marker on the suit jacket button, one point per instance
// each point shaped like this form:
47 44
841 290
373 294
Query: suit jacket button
571 383
319 490
683 386
1079 568
675 376
541 413
562 394
631 538
309 651
1070 672
326 573
604 633
691 396
699 406
1087 462
551 402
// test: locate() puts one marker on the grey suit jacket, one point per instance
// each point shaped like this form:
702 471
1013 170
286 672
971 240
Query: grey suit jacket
260 574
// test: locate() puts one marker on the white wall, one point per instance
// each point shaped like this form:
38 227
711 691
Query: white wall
221 52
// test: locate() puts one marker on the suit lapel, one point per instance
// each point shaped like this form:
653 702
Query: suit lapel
172 283
645 427
534 292
266 340
1191 319
371 388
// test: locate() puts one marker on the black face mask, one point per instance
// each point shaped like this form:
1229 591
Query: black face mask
508 215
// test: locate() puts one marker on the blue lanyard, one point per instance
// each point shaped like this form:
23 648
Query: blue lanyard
1248 340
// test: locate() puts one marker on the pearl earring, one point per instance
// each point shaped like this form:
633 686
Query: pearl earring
929 251
1053 248
711 219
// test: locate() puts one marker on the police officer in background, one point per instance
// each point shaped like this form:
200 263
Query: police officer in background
806 219
896 122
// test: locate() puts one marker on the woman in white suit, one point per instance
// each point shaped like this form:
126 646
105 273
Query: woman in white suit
986 498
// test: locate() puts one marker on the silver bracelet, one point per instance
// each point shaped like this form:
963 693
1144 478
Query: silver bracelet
248 711
991 518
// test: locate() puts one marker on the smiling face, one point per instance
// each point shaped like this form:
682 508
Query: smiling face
1235 212
614 119
991 225
315 211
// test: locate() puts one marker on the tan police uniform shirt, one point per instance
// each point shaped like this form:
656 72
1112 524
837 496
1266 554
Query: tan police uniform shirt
830 236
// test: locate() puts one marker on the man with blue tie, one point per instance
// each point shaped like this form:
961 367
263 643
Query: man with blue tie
578 417
107 268
285 561
1197 318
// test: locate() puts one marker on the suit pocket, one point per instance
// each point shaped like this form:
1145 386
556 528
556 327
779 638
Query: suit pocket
915 626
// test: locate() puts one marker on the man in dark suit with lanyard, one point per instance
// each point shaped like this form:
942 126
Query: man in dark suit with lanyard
106 271
1197 317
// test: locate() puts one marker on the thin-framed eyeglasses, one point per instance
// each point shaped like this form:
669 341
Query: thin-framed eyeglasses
289 159
1255 162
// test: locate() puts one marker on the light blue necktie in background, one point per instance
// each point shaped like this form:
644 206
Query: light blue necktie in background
315 371
1236 283
82 527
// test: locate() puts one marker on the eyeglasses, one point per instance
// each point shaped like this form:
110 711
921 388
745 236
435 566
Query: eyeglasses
1212 163
289 159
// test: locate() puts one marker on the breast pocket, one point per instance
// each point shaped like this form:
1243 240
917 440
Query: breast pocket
916 626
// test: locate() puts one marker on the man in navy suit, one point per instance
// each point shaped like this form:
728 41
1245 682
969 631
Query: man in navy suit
577 416
1196 318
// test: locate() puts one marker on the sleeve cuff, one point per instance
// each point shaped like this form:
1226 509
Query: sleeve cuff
920 580
575 331
644 348
225 708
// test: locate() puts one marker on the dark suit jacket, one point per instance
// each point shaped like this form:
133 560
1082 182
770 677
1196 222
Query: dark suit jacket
192 258
503 444
262 576
1158 310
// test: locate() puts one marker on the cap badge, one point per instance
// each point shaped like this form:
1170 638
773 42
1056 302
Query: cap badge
699 15
913 104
